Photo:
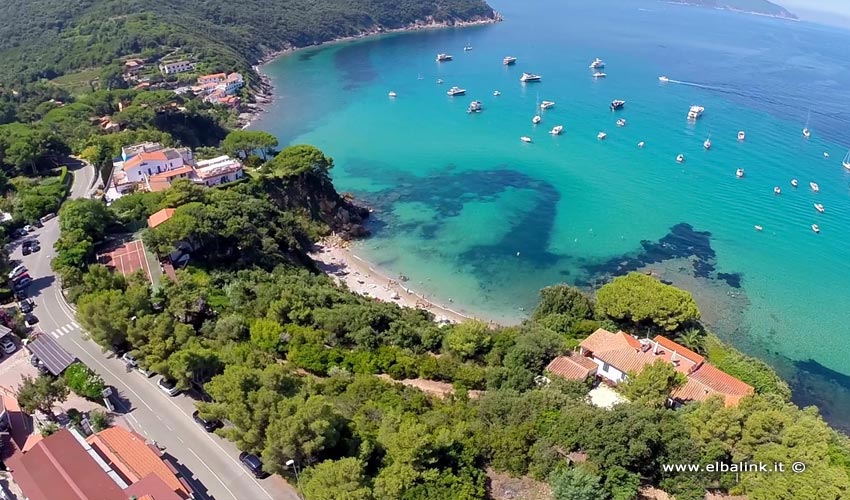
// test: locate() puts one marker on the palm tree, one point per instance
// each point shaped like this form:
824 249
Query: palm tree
692 338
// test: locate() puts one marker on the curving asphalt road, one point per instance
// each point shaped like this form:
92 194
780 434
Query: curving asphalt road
209 462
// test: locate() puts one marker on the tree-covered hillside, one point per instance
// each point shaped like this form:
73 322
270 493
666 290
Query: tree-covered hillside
764 7
46 38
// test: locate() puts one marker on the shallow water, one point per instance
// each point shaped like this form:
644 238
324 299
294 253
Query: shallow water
468 211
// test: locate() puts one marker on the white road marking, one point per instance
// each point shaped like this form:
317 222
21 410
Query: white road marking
55 335
65 329
76 325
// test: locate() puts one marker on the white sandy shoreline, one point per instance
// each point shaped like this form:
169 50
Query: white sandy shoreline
335 259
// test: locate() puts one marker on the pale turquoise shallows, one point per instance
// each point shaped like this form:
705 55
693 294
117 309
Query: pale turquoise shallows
469 212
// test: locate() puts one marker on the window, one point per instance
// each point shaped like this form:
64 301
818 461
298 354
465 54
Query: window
605 367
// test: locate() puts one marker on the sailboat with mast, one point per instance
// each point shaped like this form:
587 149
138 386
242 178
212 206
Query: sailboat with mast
806 132
537 118
707 143
468 46
846 161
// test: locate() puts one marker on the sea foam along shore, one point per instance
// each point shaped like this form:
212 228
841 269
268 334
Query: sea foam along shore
335 258
265 97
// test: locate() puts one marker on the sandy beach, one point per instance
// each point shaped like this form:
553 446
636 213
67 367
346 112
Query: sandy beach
334 257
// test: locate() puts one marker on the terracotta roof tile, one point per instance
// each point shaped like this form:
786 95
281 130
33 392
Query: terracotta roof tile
185 169
708 381
572 366
680 349
58 468
133 458
603 340
145 156
160 217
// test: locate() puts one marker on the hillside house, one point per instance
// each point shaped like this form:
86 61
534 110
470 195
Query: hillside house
616 355
172 68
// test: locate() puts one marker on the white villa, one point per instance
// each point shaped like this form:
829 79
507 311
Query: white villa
613 356
175 67
153 167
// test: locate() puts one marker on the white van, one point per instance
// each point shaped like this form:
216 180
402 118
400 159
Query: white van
17 271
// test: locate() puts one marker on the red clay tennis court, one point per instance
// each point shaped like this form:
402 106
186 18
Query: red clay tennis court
126 259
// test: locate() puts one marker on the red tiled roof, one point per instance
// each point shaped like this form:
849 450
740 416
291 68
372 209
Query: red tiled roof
572 366
151 487
708 381
680 349
143 157
185 169
58 468
133 458
603 340
160 217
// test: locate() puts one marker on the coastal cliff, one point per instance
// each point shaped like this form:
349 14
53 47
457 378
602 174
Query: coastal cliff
758 7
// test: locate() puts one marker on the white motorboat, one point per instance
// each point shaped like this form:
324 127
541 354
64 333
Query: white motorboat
680 158
814 186
508 60
794 182
601 135
758 228
739 173
815 228
529 77
617 104
525 138
641 144
537 119
741 135
663 79
439 81
599 75
819 207
547 104
474 107
846 161
826 155
455 91
776 190
707 143
443 57
392 94
467 47
695 112
597 64
496 93
621 122
556 130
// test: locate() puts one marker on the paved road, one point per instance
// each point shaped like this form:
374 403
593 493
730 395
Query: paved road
212 461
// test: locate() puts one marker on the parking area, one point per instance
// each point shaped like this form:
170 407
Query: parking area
126 259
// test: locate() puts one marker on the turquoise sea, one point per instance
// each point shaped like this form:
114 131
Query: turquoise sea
472 214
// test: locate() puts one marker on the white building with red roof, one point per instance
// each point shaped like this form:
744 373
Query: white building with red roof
617 355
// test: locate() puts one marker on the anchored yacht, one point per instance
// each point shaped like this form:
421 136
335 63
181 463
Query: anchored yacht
529 77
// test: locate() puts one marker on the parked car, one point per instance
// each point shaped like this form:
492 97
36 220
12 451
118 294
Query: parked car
21 294
168 386
129 359
35 246
17 271
26 249
29 228
38 223
253 464
47 217
208 425
30 320
8 345
18 233
26 305
23 283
